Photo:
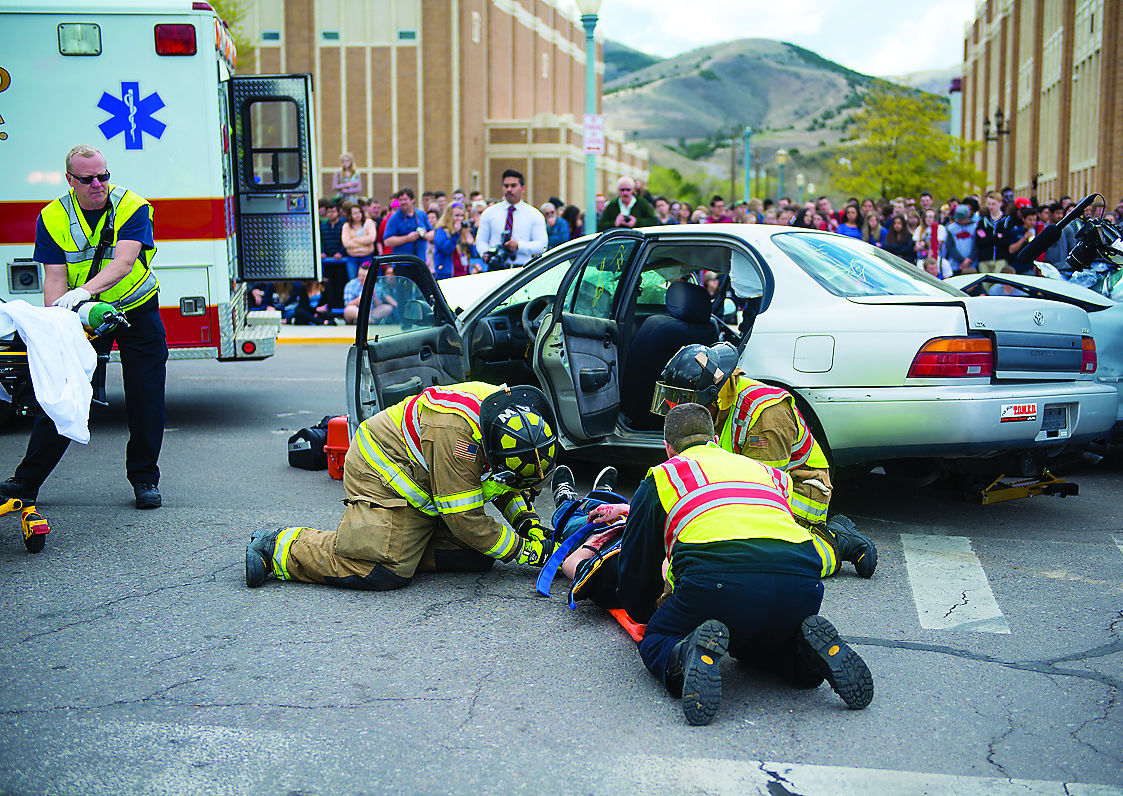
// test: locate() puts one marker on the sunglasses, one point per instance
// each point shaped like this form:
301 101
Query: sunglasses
103 177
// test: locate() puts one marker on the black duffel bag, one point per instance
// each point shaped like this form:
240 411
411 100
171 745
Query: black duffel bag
306 447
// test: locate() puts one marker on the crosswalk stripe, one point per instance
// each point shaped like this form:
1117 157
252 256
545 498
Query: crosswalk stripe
949 585
701 775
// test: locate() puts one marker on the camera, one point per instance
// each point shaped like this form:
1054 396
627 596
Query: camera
499 257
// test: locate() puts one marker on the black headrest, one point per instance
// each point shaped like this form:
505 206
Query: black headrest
688 302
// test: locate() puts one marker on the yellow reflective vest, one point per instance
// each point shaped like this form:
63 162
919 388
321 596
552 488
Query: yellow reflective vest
65 223
713 496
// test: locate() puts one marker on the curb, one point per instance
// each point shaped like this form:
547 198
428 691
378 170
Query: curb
313 340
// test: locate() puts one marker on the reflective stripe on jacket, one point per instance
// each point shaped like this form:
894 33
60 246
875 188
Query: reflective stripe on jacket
713 496
462 400
751 399
65 223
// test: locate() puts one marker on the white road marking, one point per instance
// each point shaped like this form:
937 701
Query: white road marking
700 775
1118 542
949 585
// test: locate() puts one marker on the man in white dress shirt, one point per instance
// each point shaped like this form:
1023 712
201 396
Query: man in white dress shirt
526 224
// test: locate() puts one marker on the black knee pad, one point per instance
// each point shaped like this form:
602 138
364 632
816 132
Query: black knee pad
378 579
461 560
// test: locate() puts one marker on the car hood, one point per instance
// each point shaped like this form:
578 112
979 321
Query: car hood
463 292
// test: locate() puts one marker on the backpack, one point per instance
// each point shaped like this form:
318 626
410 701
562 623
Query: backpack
306 447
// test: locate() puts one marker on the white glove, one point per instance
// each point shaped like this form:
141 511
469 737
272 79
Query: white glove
72 298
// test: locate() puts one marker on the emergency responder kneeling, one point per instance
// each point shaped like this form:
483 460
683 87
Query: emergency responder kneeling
417 476
763 423
744 576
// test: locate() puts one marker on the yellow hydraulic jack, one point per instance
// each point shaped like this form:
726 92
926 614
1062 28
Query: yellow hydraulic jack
35 528
1045 484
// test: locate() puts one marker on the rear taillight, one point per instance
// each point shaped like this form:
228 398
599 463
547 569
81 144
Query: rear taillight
944 357
1088 358
175 39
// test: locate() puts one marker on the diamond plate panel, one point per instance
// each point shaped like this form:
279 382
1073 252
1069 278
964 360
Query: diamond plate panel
244 89
277 247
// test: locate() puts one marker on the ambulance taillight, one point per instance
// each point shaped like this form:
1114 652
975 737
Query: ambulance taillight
175 39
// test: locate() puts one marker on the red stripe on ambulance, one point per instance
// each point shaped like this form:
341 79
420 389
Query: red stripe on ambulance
175 219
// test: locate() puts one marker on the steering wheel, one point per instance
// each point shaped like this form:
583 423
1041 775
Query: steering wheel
533 311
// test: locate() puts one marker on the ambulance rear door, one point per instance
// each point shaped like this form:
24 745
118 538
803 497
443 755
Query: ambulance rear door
273 165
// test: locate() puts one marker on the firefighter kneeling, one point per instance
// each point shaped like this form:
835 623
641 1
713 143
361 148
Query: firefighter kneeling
763 423
744 576
417 476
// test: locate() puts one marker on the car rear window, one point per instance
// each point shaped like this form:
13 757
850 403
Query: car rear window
852 268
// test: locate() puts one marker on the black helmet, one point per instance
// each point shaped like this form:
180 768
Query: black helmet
521 446
695 374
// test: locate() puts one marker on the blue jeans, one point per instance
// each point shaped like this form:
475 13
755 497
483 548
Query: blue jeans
573 515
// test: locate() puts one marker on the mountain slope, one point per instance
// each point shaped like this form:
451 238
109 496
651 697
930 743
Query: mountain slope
767 84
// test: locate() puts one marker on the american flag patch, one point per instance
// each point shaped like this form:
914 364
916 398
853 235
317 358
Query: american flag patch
465 449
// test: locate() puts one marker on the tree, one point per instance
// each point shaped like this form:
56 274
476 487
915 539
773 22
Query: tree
901 150
233 12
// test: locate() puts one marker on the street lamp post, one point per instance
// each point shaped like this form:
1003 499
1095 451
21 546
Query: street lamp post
748 164
781 159
589 9
799 184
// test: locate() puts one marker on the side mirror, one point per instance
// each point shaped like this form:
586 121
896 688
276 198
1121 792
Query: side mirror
418 312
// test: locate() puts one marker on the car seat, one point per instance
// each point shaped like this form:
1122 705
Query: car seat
658 338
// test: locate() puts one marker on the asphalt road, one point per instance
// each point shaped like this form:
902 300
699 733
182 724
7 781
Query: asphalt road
135 660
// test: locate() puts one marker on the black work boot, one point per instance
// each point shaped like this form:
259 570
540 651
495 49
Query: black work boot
147 496
259 556
563 485
849 544
16 489
698 658
823 651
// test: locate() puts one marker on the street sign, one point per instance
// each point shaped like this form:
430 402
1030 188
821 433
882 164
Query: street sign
594 134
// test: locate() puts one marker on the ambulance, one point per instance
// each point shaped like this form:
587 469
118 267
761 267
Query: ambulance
227 161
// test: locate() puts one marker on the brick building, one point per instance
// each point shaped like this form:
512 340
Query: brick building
1049 70
443 94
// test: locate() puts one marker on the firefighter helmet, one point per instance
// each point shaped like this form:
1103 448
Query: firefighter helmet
695 374
521 446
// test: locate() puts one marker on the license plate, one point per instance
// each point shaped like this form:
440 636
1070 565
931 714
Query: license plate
1055 418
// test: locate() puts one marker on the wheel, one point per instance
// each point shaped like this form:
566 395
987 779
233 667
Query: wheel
35 529
532 314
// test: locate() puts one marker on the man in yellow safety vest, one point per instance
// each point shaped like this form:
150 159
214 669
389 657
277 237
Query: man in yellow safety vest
763 423
744 576
417 476
95 243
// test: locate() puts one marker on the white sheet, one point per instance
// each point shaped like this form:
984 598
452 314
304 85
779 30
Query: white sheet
61 361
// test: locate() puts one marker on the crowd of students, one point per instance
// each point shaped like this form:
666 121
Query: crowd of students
975 233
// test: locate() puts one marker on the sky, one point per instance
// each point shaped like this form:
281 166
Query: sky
876 37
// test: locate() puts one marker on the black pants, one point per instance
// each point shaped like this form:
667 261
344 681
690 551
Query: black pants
762 610
144 356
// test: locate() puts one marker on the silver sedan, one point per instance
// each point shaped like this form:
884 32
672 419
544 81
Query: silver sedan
886 362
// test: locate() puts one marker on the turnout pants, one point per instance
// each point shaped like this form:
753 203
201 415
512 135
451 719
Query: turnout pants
763 611
810 499
381 540
144 355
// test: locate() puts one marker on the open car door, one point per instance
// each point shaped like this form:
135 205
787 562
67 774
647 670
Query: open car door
576 350
406 338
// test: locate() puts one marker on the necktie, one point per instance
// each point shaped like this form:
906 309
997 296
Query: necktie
510 220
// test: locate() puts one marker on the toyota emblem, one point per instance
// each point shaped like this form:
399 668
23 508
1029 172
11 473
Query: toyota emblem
1039 318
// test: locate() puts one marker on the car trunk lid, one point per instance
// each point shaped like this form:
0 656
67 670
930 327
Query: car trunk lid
1033 338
